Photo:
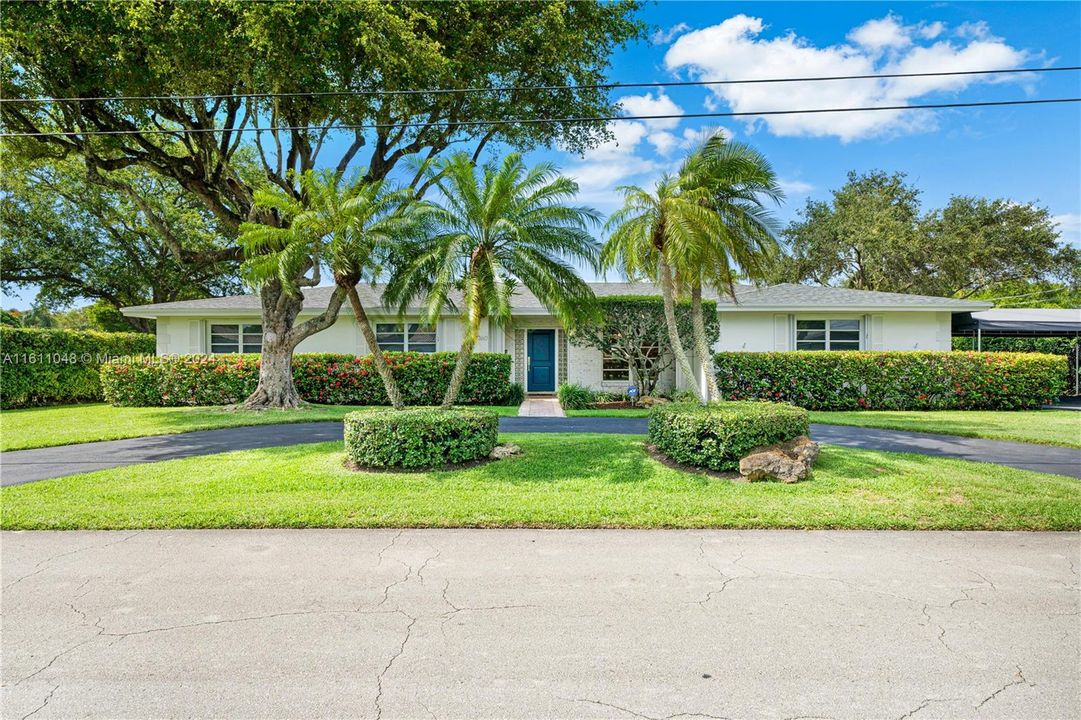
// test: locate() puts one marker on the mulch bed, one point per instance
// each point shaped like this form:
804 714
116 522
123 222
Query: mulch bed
669 462
616 405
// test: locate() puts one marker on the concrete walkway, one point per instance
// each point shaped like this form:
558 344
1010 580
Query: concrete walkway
24 466
540 407
540 624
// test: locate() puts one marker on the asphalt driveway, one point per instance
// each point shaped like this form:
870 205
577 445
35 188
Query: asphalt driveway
24 466
540 624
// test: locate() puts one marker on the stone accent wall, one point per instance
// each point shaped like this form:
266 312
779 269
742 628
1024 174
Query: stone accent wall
519 356
561 370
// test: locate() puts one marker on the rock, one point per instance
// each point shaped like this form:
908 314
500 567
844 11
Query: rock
649 401
500 452
788 462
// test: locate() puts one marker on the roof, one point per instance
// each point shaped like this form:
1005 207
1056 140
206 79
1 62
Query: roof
1021 322
786 296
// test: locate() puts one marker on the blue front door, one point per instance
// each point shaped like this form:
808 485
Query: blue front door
542 361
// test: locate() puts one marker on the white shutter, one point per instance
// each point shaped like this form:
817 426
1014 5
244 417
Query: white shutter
877 332
780 332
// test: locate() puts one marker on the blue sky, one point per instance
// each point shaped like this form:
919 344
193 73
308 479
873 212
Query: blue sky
1024 153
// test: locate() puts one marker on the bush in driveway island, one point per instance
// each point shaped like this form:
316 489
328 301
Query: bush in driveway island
319 377
718 435
894 380
423 438
50 367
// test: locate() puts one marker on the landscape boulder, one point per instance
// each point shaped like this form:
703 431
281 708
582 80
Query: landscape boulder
788 462
501 452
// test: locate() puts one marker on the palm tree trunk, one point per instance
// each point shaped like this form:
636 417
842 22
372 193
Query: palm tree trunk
668 293
380 362
465 354
701 346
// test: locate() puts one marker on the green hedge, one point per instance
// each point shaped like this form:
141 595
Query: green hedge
718 435
894 380
49 367
320 377
422 438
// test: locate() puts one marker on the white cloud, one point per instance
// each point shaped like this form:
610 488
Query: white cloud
793 187
664 36
664 141
929 31
1069 227
878 35
616 162
735 49
649 105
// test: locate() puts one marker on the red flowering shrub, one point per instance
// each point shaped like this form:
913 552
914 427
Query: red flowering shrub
326 378
893 380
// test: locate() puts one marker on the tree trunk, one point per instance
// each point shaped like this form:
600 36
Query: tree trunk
280 338
668 293
380 362
465 354
701 346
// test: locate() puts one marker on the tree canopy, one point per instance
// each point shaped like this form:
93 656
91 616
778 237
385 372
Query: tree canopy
135 238
873 235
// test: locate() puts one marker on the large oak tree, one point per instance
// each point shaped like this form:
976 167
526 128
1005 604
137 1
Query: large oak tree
873 235
345 55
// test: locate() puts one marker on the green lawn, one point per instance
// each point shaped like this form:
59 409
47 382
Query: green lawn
71 424
616 412
1047 427
560 481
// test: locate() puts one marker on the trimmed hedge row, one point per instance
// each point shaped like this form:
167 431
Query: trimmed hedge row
894 380
718 435
50 367
326 378
423 438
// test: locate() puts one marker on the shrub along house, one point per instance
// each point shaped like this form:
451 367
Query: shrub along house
773 318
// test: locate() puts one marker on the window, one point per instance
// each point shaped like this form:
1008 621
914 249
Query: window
615 369
827 334
231 338
396 337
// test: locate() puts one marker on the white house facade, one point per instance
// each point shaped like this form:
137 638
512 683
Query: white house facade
773 318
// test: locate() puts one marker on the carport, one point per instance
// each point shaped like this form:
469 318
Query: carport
1024 323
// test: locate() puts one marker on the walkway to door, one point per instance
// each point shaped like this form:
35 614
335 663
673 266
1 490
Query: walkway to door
541 407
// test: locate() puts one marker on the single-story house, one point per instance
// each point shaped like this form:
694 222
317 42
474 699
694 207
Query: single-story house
777 317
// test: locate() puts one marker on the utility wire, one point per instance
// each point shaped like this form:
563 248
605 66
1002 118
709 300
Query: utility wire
539 121
516 88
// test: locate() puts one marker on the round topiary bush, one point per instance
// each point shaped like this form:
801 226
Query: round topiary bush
716 436
425 438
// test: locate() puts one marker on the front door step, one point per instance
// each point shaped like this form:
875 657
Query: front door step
535 406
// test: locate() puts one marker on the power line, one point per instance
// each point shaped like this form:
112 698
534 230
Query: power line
516 88
539 121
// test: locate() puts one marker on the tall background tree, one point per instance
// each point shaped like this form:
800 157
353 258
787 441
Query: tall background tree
133 239
872 235
205 74
497 227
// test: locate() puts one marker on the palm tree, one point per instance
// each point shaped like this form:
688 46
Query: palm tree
706 225
734 182
641 236
349 228
495 229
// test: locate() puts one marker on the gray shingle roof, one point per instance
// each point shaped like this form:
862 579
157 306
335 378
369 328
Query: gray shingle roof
775 297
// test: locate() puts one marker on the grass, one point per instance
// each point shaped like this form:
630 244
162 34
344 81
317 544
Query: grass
613 412
72 424
560 481
1045 427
